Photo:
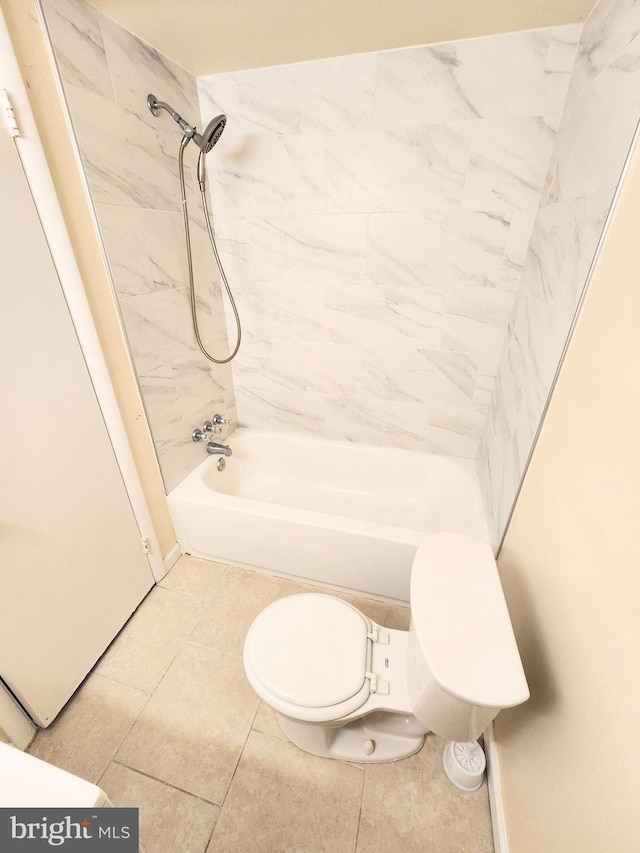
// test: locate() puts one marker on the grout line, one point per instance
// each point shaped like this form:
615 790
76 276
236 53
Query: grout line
133 722
116 680
121 763
233 775
364 782
218 651
187 593
210 838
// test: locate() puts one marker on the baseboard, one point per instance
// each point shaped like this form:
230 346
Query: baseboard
495 793
172 557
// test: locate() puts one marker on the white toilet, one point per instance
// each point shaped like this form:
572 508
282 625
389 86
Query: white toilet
344 687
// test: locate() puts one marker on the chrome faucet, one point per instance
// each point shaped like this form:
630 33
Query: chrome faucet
216 424
214 447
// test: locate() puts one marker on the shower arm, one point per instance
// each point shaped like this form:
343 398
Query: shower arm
189 131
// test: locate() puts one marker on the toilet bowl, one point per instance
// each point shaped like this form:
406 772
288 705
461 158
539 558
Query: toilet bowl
344 687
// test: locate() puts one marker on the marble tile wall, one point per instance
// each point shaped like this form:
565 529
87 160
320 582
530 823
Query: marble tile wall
593 140
374 213
130 159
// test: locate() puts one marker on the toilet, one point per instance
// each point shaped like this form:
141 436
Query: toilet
344 687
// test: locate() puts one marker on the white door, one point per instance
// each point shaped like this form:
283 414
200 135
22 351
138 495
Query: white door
72 565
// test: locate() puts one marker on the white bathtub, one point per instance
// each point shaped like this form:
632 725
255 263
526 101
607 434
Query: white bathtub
342 514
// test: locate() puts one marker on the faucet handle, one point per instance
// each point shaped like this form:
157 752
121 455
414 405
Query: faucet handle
214 425
218 421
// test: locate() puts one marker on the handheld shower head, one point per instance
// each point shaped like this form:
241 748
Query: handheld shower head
206 141
211 133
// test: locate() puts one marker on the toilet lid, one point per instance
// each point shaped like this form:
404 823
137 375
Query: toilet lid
309 650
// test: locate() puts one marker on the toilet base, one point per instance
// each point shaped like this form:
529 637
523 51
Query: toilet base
361 741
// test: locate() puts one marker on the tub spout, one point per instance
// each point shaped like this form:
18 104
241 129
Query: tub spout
214 447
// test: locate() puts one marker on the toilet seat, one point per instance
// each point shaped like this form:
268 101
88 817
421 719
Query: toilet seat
347 688
308 656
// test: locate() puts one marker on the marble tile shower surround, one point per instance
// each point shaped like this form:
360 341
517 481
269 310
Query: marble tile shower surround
130 159
375 212
593 140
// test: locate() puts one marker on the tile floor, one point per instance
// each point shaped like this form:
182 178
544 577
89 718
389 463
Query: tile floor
167 722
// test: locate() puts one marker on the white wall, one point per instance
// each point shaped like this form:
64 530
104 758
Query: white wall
570 757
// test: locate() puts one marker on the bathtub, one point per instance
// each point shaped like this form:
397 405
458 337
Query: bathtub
337 513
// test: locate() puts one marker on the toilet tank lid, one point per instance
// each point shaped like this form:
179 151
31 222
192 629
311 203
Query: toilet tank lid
462 624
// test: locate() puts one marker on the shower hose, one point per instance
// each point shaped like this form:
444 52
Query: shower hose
187 234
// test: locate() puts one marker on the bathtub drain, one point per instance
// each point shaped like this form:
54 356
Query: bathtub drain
221 463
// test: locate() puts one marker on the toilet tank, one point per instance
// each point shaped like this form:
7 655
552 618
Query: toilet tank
463 664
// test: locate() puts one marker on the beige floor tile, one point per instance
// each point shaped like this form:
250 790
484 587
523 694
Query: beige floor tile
410 805
85 736
283 800
170 820
192 731
142 651
241 597
195 576
266 721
